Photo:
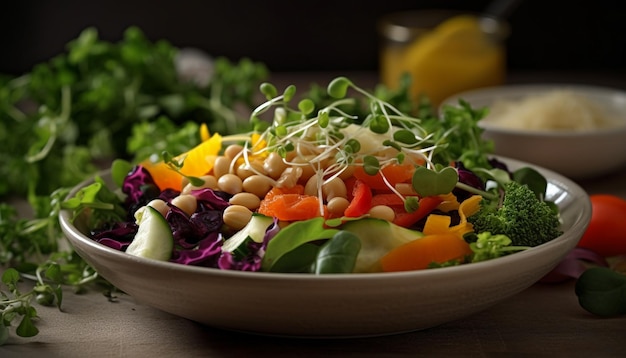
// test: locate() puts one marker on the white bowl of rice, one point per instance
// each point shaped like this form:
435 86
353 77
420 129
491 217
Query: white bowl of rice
578 131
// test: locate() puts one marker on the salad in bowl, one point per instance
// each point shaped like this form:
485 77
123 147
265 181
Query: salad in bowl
337 215
348 186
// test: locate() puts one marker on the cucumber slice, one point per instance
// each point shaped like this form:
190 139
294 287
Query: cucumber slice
255 230
154 239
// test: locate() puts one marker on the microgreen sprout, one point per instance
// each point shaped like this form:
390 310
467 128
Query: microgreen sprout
429 182
330 139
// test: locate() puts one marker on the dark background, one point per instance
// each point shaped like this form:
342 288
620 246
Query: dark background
310 35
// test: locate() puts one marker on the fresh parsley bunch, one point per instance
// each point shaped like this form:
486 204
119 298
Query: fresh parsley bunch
97 101
81 106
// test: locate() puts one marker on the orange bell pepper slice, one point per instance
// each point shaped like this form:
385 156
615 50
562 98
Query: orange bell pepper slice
420 253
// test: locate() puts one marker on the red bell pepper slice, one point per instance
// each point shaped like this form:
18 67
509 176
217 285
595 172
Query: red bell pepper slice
361 200
391 200
427 204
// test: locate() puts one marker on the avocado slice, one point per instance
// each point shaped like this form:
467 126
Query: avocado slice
378 237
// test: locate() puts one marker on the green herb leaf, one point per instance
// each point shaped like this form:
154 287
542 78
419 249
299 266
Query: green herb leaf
353 145
306 106
338 88
411 204
428 182
26 328
405 136
289 93
371 165
535 180
119 170
602 291
269 90
379 124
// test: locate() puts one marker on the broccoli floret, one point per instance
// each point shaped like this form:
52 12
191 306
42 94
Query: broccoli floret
519 214
487 246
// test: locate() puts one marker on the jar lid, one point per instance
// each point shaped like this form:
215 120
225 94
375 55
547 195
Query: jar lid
404 26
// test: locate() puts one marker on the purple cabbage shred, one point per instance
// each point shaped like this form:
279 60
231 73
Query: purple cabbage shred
211 199
118 237
138 184
198 238
467 177
206 253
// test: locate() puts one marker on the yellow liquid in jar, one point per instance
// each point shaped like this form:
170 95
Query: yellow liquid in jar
454 57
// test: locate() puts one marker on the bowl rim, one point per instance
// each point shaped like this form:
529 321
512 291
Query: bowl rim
510 91
74 234
546 133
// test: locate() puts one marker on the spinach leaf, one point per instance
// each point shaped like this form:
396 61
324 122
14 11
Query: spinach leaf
338 255
300 259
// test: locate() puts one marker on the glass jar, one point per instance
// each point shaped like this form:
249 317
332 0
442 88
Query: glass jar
445 52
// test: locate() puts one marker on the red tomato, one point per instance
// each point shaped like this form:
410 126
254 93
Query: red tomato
606 234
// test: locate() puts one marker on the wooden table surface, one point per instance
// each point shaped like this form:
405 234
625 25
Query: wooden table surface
544 320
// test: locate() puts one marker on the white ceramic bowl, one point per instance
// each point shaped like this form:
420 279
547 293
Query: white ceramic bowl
340 305
575 154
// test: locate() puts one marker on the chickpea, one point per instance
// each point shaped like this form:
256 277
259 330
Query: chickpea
257 185
310 188
274 165
331 189
334 188
230 183
232 151
185 202
237 216
244 171
303 163
289 178
249 200
221 166
382 212
209 182
160 206
337 205
184 182
290 155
